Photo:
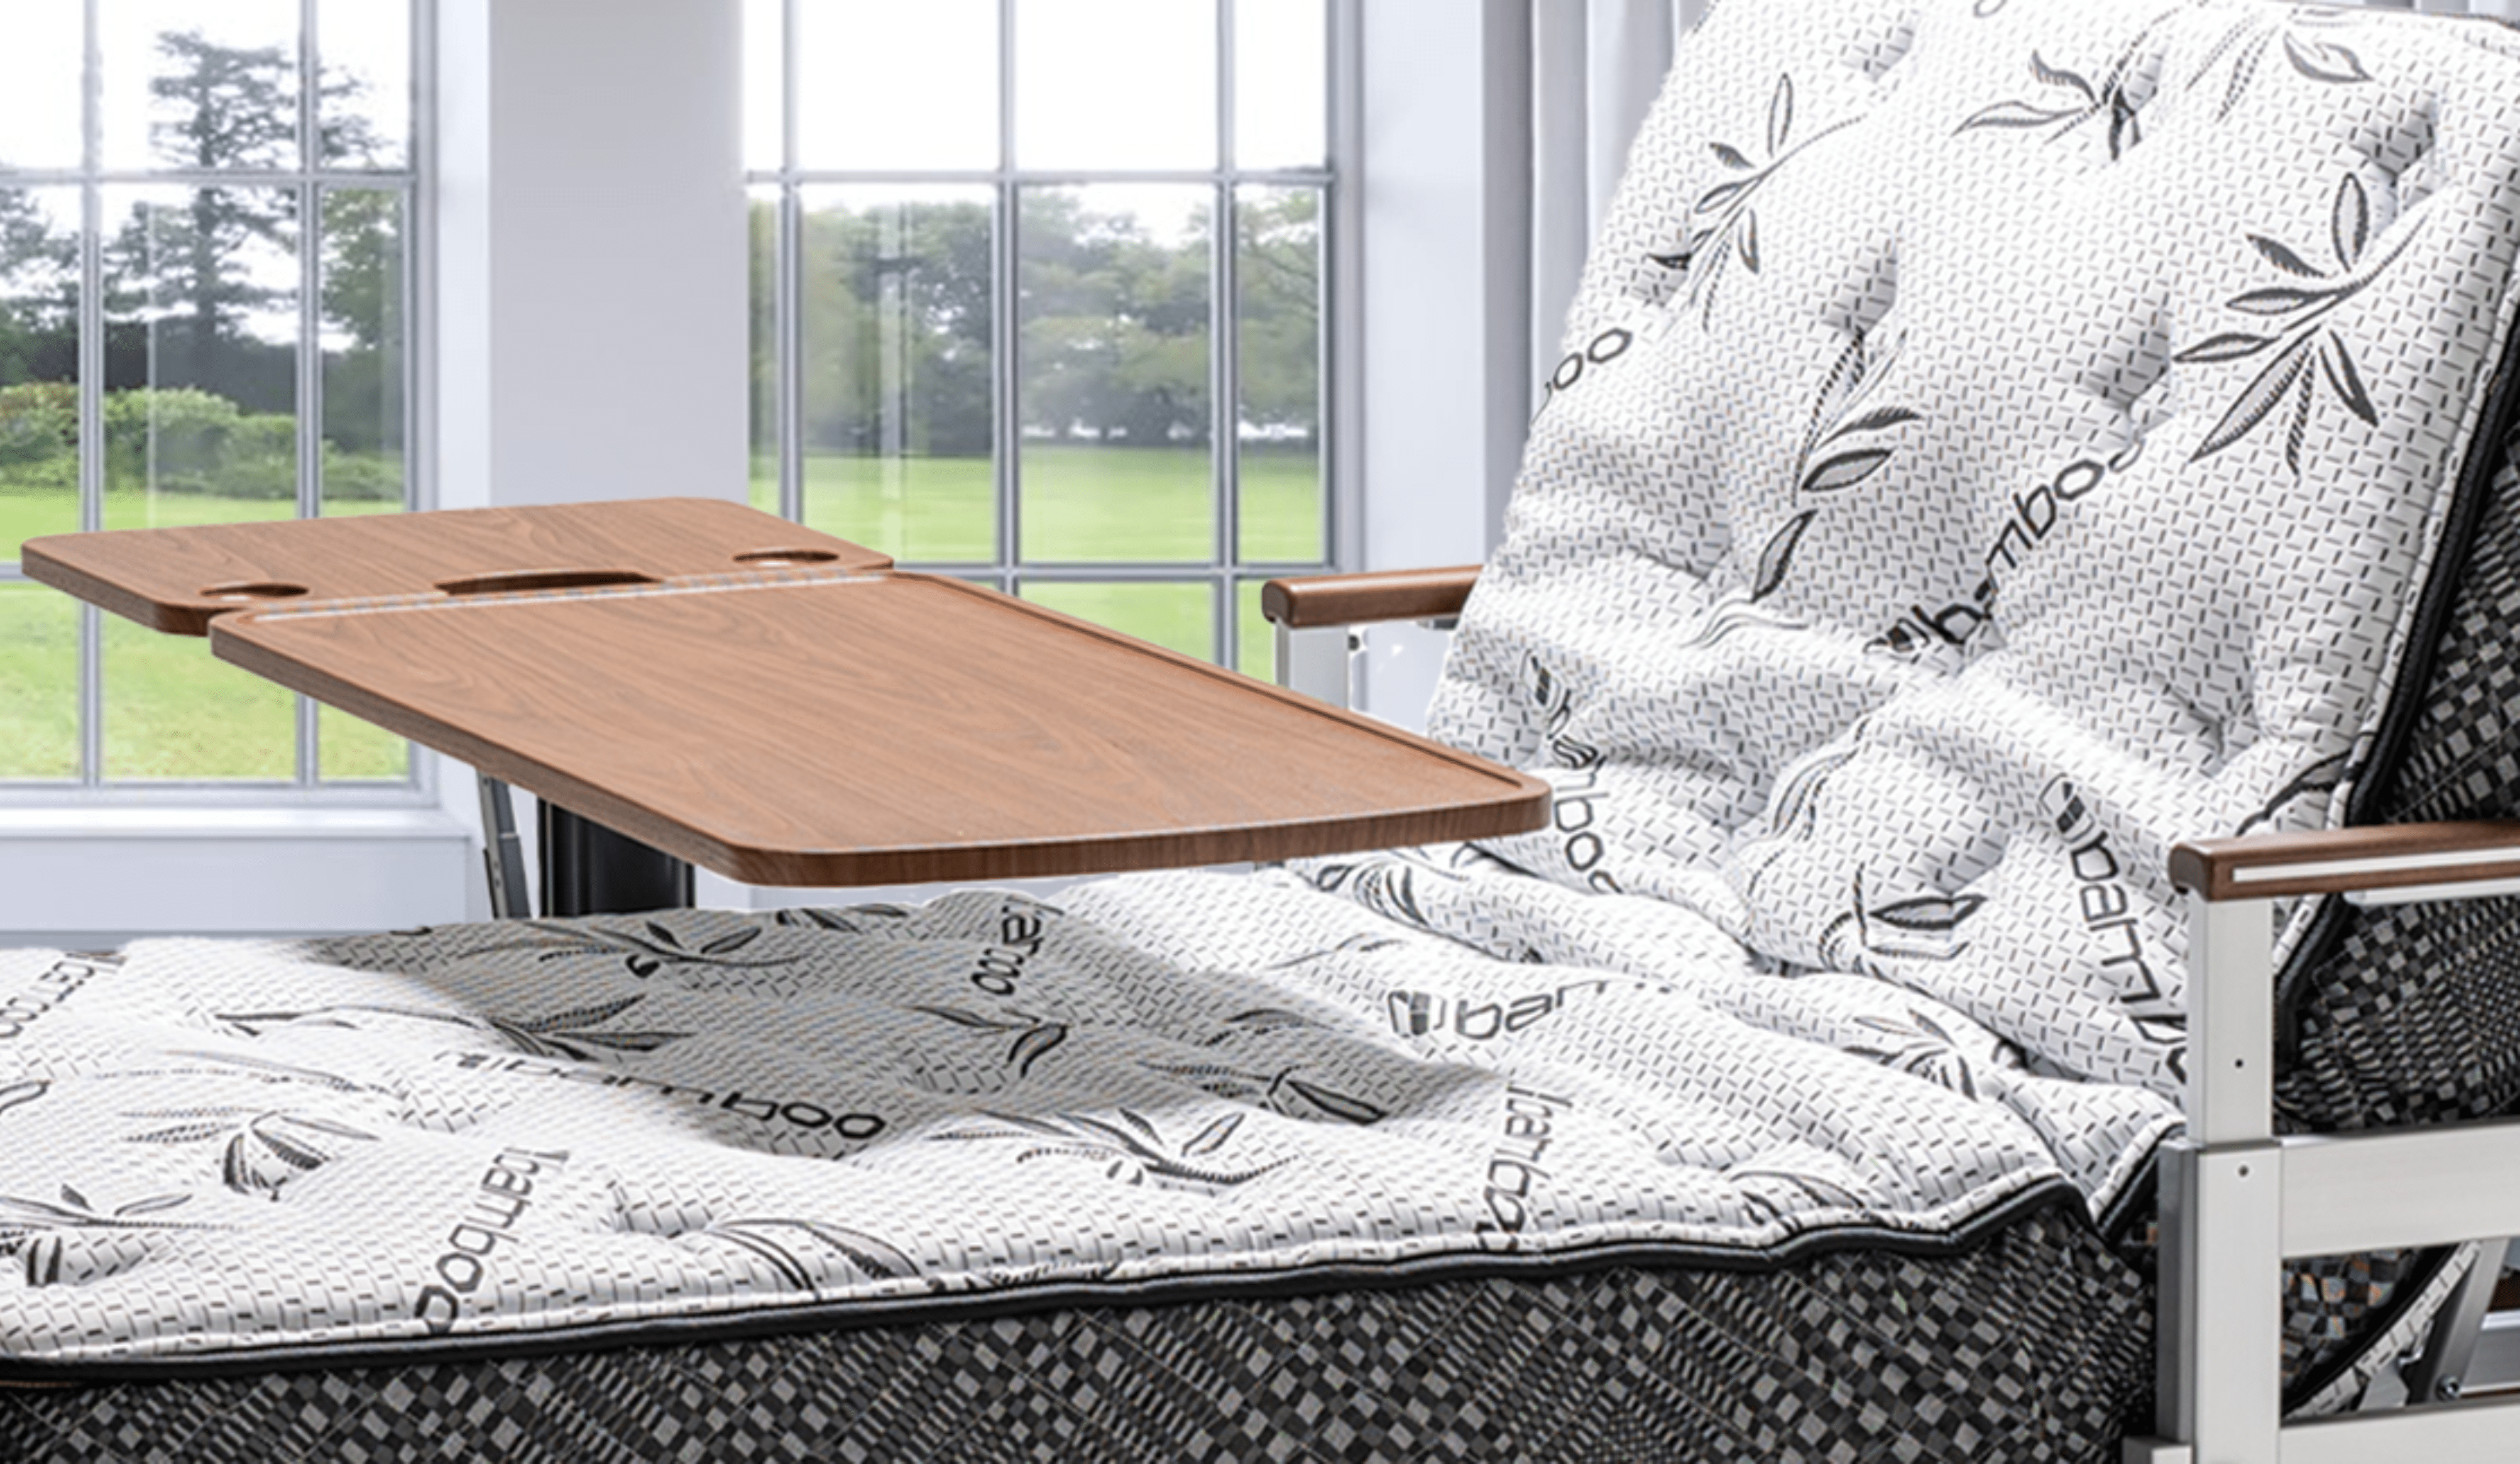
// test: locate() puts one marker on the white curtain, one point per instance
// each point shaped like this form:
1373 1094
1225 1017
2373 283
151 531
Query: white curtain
1596 67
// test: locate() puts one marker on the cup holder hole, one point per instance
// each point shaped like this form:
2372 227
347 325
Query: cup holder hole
772 559
255 589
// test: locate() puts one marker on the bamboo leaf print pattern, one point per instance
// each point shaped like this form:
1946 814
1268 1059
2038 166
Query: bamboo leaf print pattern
1128 1149
1913 928
576 1033
2073 100
1723 226
787 1244
1281 1093
2308 351
2246 45
37 1230
1838 450
265 1148
1036 1037
643 954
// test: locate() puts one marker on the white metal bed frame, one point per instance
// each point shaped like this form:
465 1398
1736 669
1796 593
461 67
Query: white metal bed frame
2235 1198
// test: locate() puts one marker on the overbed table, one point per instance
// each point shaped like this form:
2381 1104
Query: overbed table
716 685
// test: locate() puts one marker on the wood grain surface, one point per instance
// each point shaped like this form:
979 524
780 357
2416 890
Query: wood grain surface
2265 866
809 728
178 580
1362 598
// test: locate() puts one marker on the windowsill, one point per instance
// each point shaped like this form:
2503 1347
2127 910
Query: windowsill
103 819
95 872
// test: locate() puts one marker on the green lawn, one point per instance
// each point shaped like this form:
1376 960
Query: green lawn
173 711
1078 503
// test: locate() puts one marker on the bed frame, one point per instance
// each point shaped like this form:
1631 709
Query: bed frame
2235 1198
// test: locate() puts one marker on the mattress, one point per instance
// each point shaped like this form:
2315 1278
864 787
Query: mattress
1994 442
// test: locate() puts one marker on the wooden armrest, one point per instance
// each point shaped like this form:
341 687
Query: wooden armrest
2336 861
1360 599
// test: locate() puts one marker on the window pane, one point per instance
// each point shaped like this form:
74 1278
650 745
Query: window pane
38 683
39 364
364 345
1178 616
765 85
1114 393
1115 84
888 86
1278 279
1281 83
766 287
172 712
365 104
201 367
350 750
1255 640
198 86
39 74
898 367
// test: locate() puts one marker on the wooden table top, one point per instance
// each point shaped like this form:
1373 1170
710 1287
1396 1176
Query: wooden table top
816 724
178 580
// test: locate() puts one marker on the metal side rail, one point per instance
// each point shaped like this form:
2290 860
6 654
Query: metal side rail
2236 1198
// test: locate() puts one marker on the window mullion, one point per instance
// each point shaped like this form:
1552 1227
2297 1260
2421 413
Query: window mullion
787 285
1224 395
91 394
1341 342
310 367
787 345
1006 431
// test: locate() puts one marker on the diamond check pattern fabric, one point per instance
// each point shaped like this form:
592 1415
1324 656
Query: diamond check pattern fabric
1851 1358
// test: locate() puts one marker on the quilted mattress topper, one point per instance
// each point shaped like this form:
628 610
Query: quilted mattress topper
1995 441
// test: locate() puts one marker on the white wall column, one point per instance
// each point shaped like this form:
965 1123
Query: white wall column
1445 199
590 283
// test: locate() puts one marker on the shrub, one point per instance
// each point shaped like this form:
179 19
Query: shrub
38 423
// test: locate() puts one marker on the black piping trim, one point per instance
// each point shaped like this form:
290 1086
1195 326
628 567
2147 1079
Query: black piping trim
2487 451
2055 1195
2138 1202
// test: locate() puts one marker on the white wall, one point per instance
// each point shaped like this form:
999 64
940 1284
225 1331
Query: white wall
591 265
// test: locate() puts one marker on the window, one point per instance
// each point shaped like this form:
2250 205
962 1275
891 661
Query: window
1039 296
206 215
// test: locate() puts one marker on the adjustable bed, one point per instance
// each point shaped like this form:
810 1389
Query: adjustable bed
2012 596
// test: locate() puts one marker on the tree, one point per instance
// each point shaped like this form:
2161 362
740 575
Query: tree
182 283
38 294
218 107
896 320
1114 326
1279 241
897 328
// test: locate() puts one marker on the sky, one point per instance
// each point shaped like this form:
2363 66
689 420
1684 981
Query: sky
1102 84
882 84
39 67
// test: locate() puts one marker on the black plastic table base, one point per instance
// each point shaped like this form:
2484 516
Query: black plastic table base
590 870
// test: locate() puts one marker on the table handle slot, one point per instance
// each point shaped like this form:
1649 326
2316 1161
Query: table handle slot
510 581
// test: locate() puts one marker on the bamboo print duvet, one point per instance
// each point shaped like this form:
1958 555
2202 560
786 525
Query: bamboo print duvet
1994 442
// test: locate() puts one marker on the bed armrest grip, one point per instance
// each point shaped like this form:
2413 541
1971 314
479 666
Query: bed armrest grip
1361 599
2336 861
